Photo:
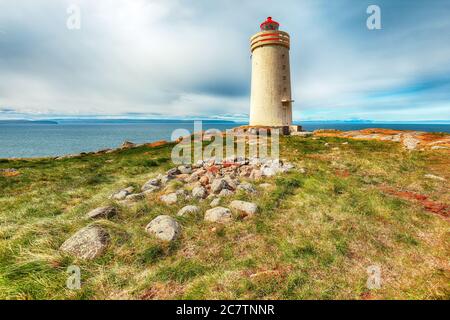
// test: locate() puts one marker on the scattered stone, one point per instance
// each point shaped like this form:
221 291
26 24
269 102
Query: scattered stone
344 143
265 185
122 194
173 172
232 184
150 189
166 178
256 174
169 199
218 185
164 228
440 148
127 145
204 180
225 193
215 202
302 134
199 192
151 184
218 214
410 142
246 187
88 243
135 197
432 176
102 213
188 210
248 208
186 169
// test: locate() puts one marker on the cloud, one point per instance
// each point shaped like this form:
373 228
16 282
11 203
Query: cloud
191 58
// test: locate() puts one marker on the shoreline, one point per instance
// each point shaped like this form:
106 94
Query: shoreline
411 139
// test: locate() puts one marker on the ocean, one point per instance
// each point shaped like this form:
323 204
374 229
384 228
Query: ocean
28 140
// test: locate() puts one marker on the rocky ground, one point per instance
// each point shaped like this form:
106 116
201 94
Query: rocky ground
307 226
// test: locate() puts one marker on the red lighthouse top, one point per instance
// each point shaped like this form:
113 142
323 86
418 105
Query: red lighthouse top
269 24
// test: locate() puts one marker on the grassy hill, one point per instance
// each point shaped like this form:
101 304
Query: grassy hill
315 235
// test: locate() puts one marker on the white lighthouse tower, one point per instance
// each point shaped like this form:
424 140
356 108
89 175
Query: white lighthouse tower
271 100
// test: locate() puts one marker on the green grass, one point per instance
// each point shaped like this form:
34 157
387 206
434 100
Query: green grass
313 238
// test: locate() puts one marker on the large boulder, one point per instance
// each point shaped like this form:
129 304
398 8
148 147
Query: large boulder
248 208
102 213
88 243
188 210
170 198
218 214
164 228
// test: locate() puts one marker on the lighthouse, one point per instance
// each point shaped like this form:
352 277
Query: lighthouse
271 98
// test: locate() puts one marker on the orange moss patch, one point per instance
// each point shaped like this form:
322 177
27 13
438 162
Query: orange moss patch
157 143
429 205
10 173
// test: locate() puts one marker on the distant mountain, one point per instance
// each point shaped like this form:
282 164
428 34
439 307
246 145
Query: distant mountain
27 122
99 121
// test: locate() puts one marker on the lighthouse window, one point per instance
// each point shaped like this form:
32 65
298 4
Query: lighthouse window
284 77
284 67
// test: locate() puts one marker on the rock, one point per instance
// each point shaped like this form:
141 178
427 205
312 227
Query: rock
127 145
151 184
102 213
225 193
122 194
432 176
246 187
173 172
410 143
169 199
245 171
88 243
182 177
164 227
268 171
440 148
302 133
135 197
255 174
218 214
204 180
345 143
218 185
265 185
248 208
150 189
199 192
215 202
166 178
188 210
182 193
232 184
186 169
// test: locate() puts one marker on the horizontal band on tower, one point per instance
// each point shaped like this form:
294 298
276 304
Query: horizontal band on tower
270 38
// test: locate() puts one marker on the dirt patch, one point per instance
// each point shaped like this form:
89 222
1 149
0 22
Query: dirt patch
162 291
432 206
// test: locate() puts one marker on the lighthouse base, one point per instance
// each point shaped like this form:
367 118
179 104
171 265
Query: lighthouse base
283 130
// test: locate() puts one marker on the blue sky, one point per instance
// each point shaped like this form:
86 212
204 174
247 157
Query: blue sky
183 59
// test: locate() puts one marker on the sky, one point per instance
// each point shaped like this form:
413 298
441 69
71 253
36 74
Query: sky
191 59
